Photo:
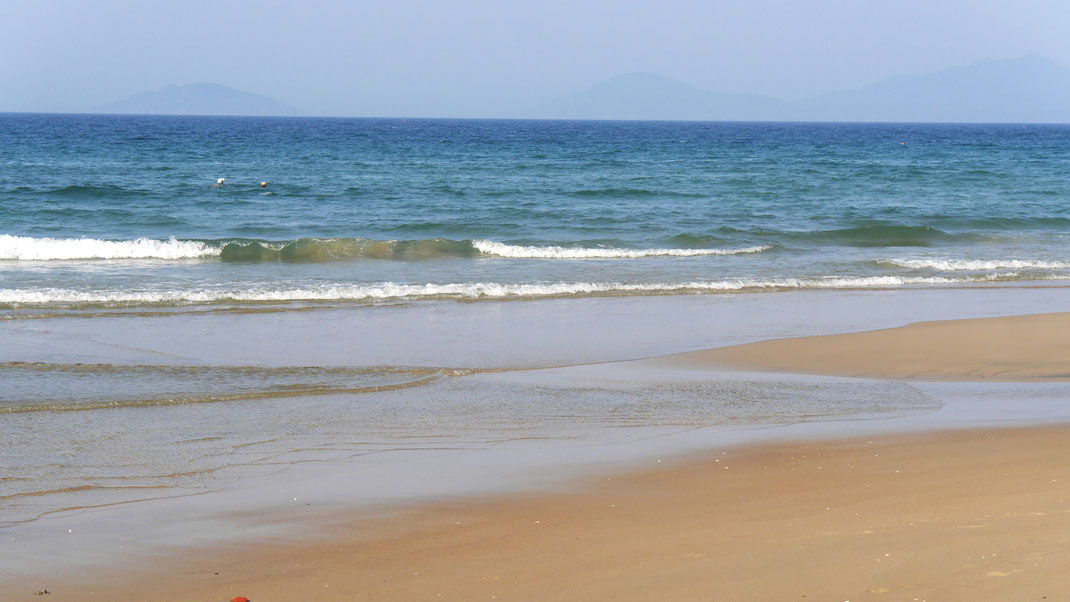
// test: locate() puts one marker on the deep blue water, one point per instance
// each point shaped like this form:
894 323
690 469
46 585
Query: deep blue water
359 209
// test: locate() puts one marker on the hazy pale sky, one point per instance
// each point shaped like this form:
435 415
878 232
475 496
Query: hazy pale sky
493 58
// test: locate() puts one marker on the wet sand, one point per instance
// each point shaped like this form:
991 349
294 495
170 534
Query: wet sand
965 515
970 515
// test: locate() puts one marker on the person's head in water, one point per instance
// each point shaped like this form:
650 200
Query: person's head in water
220 181
263 184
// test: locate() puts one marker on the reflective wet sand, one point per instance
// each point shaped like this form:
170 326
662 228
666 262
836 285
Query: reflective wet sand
143 431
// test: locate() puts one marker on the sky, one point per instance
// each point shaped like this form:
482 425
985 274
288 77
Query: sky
487 58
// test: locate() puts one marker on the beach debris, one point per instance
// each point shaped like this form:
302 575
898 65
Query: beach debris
42 592
239 599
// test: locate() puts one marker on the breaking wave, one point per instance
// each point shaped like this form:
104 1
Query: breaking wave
43 249
489 247
956 265
388 291
316 250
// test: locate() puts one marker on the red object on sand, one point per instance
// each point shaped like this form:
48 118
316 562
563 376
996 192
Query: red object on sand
239 599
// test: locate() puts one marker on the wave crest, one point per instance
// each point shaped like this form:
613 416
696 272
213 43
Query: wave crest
318 250
44 249
883 235
489 247
975 265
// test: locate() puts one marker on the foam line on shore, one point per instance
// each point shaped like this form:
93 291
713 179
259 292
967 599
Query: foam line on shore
389 291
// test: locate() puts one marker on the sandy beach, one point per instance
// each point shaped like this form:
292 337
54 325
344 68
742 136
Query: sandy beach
952 515
975 515
1017 348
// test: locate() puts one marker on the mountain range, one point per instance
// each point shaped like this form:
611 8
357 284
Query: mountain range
198 99
1030 89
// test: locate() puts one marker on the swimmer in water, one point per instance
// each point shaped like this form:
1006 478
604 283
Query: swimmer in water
220 181
263 184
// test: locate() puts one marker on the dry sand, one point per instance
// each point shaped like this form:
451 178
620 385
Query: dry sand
1019 348
969 515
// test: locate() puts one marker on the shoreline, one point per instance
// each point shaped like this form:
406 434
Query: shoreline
997 488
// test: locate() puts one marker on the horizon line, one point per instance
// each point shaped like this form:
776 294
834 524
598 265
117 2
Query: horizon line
585 120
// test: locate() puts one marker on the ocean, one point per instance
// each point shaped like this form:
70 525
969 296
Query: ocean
114 212
407 299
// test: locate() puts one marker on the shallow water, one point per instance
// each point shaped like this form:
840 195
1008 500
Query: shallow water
97 411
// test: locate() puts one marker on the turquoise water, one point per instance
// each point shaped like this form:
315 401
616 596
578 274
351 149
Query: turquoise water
122 211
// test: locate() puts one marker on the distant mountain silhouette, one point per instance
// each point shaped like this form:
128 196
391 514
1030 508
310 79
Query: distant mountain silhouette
651 96
1031 89
1028 89
199 99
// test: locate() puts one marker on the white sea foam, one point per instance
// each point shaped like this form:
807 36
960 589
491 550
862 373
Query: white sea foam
472 290
42 249
26 248
959 265
491 247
